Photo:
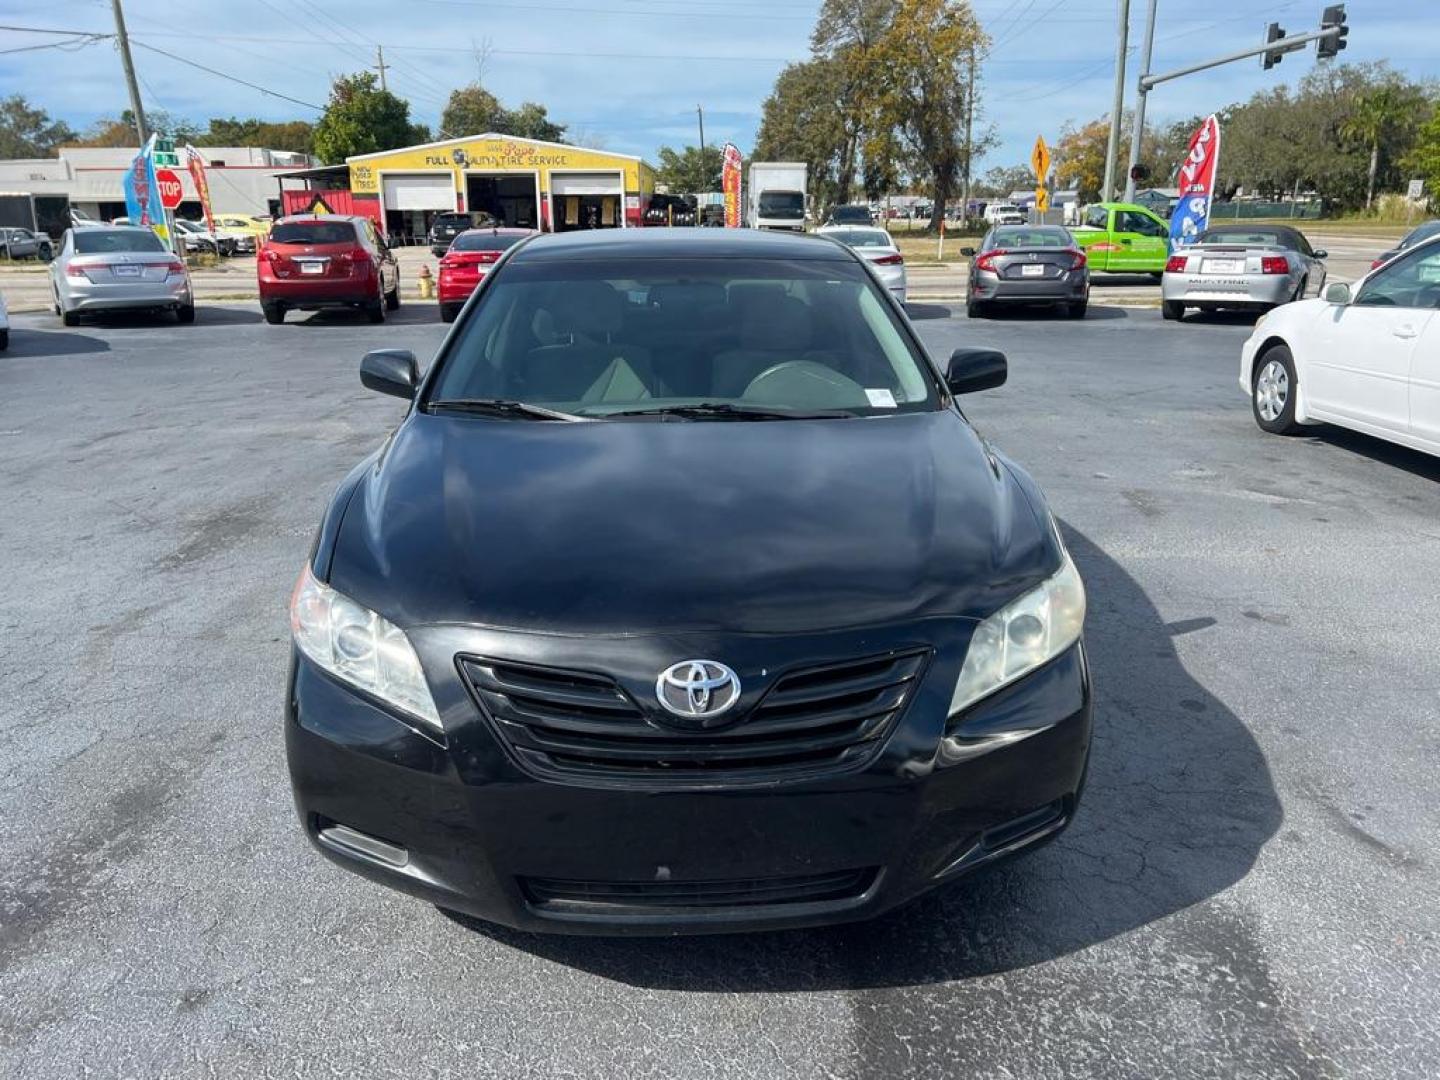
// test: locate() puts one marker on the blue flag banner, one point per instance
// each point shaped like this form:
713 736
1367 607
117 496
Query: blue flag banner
1197 185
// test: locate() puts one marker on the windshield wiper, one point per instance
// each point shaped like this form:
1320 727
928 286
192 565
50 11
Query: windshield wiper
501 407
716 410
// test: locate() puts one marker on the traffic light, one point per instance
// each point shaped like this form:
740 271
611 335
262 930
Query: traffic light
1330 47
1271 57
1139 172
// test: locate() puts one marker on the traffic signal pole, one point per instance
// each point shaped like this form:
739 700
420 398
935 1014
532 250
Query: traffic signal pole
136 108
1138 132
1331 35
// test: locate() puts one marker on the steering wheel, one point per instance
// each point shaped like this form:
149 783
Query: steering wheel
805 384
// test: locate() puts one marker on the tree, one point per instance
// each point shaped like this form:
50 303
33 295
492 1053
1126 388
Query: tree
1375 116
27 132
1424 159
1001 180
296 136
471 110
531 121
690 169
120 131
360 118
846 38
804 119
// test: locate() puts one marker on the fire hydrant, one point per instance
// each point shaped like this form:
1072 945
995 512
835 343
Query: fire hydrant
426 283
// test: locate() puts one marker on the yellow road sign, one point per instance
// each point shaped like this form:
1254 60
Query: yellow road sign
1042 199
1040 158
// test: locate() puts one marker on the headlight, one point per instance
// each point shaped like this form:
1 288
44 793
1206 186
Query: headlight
1022 635
359 647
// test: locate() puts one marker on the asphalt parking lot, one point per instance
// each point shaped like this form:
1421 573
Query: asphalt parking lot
1250 888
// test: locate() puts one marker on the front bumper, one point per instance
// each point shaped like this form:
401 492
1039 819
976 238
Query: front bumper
1238 290
461 822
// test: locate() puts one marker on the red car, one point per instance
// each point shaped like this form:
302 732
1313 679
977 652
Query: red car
469 259
326 261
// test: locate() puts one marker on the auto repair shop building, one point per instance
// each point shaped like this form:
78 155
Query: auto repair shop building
524 183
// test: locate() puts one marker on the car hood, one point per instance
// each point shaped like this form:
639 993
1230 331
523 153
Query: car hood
629 527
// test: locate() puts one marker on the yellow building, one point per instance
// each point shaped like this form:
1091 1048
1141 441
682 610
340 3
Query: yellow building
523 183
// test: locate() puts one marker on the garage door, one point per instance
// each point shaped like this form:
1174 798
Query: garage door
419 191
586 184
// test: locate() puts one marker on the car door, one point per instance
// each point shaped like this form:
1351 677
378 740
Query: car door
1425 357
1141 242
1359 365
1094 236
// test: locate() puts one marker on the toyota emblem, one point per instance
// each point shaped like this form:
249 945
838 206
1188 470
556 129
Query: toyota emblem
700 691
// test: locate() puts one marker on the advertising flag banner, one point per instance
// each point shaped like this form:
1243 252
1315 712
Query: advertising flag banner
196 164
142 196
1196 181
730 184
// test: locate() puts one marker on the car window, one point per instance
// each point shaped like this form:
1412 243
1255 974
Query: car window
596 337
476 240
1019 236
1097 217
1410 281
313 232
1128 221
861 238
104 241
1420 232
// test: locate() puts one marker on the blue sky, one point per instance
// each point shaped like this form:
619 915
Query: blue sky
627 74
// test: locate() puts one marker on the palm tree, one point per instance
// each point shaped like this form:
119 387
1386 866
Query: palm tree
1375 115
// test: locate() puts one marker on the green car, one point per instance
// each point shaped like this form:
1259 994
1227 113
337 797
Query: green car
1123 238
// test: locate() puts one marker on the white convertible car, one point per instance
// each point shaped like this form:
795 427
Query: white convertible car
1363 356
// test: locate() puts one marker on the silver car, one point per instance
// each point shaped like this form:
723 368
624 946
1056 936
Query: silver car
114 269
1255 267
877 247
24 244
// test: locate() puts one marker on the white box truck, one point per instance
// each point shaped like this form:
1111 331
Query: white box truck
776 197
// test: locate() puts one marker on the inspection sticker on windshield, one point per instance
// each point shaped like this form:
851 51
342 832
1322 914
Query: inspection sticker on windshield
880 399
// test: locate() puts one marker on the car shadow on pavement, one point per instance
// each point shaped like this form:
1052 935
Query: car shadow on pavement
405 315
1178 804
1123 281
1415 462
27 342
1223 317
918 312
1052 312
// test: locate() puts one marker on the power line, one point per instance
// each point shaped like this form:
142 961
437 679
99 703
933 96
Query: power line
224 75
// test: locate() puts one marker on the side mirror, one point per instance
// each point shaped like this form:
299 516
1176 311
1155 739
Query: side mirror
390 371
975 369
1321 253
1337 292
967 251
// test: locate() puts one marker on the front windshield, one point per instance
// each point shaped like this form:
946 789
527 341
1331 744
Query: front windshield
779 204
598 337
102 241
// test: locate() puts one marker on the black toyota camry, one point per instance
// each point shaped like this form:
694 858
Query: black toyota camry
684 599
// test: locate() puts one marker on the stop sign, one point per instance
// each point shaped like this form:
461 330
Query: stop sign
169 185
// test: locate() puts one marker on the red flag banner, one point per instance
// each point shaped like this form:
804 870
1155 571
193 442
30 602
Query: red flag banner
202 187
730 184
1196 181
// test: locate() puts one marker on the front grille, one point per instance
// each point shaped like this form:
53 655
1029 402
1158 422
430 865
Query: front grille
811 720
616 897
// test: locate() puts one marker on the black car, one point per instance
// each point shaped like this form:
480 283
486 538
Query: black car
683 599
446 227
1027 264
1423 231
670 210
850 215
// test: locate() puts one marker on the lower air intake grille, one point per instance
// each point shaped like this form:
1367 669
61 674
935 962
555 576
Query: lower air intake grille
608 897
812 720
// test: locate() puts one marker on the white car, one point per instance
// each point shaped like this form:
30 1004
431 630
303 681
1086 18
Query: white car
877 247
196 237
1365 356
1005 214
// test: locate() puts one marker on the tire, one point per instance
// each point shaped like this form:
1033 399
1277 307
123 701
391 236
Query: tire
375 310
45 253
1172 310
1300 290
1078 310
975 310
449 312
392 298
4 339
274 313
1272 391
185 314
70 318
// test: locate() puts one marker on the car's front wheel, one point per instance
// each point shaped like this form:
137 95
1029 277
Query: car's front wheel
1274 387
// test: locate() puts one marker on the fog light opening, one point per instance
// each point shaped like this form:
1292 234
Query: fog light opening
1025 829
354 842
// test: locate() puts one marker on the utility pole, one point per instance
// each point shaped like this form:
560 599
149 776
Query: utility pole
969 136
699 112
1112 145
1138 132
380 64
142 129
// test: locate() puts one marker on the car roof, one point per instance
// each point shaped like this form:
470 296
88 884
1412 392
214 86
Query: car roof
1285 232
678 244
